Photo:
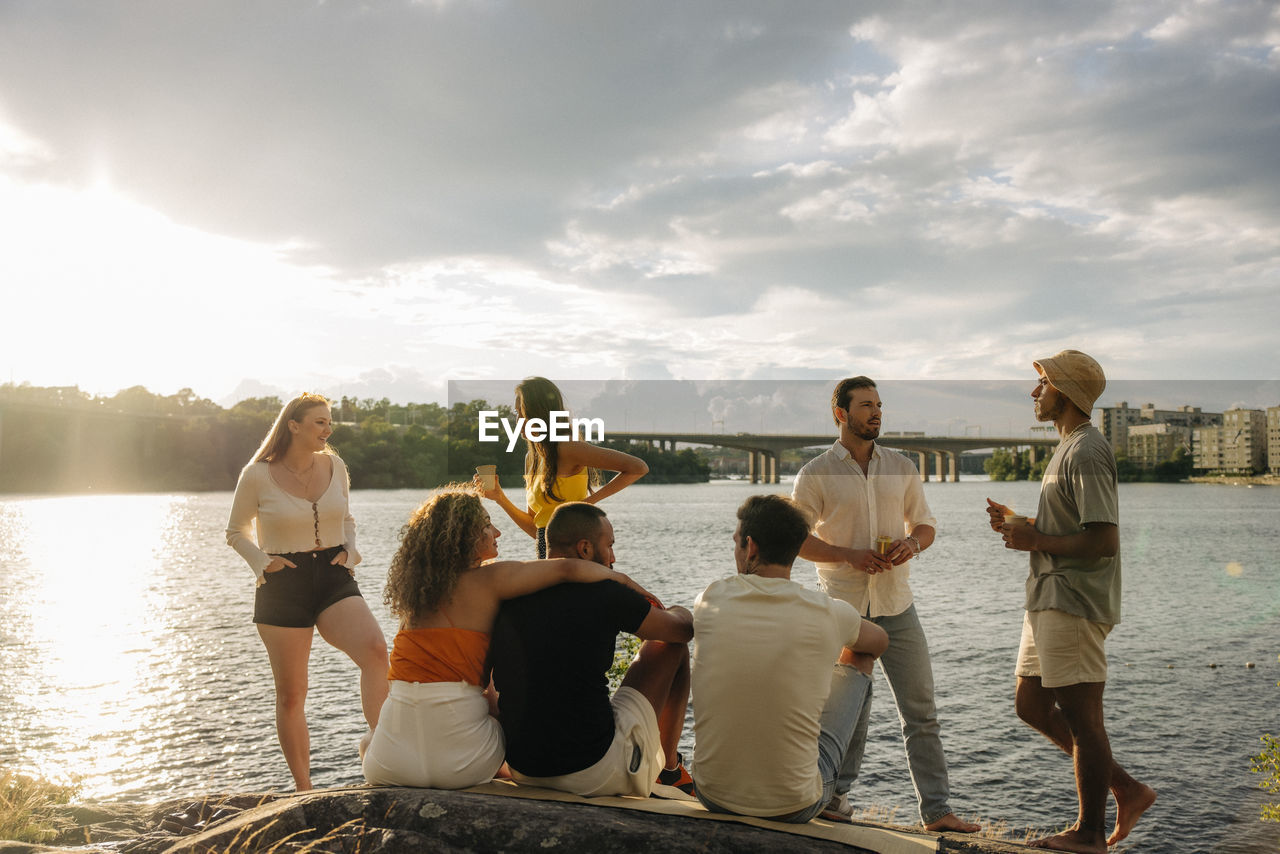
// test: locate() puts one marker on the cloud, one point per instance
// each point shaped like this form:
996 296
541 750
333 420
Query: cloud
492 189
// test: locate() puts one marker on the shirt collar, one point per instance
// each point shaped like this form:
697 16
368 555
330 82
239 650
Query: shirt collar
843 453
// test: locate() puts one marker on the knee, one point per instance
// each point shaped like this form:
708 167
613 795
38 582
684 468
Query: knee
1029 711
377 651
291 699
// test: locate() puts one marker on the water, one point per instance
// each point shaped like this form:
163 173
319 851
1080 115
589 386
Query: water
127 656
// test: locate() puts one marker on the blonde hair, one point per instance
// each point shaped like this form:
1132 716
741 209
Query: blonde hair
437 545
278 438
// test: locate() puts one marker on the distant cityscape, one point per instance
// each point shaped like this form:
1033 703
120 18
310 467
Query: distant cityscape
1238 441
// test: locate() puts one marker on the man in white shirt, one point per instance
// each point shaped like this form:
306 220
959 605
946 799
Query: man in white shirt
781 676
857 491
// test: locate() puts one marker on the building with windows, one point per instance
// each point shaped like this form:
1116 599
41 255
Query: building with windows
1273 438
1150 444
1116 421
1239 445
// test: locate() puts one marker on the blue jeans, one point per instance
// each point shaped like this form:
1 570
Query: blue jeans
906 666
844 716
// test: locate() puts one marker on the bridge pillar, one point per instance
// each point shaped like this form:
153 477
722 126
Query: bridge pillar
924 465
771 470
753 466
953 463
1032 449
937 467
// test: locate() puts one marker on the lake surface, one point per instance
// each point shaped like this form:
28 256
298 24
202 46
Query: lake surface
127 655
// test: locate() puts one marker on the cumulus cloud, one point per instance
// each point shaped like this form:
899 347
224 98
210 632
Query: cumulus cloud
491 189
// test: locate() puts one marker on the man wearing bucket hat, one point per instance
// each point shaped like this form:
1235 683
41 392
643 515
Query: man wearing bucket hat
1073 601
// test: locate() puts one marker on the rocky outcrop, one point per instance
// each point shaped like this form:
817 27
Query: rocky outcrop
391 821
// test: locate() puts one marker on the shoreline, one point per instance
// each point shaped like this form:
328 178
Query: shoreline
1237 480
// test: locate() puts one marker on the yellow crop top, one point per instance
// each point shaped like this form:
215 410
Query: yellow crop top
572 488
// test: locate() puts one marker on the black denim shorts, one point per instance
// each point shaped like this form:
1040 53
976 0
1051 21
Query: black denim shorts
295 596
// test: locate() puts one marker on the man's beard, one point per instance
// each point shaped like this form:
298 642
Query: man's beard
867 433
1053 415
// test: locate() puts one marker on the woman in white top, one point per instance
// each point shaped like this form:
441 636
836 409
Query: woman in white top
297 489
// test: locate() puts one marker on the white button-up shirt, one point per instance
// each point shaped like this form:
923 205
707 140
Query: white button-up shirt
851 509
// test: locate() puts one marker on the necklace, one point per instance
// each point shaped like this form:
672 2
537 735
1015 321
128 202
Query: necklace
298 475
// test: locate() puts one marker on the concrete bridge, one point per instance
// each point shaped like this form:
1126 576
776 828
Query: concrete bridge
763 449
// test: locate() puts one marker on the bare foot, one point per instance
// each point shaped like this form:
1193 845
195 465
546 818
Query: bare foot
952 824
1130 805
1071 840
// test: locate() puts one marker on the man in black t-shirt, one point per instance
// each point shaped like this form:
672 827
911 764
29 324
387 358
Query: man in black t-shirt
551 652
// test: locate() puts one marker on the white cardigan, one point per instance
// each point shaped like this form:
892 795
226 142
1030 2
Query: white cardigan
287 523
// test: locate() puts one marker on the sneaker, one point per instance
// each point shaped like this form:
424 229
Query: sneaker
677 776
838 809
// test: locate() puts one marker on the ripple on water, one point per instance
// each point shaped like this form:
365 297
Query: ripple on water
168 689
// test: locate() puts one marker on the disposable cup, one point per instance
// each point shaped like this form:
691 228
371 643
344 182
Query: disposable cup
488 476
1015 519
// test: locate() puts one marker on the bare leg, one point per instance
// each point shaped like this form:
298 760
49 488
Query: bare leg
661 673
350 626
671 718
289 650
1043 709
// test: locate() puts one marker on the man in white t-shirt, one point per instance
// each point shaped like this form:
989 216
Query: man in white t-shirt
781 683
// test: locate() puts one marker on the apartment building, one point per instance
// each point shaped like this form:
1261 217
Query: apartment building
1273 438
1239 445
1150 444
1115 422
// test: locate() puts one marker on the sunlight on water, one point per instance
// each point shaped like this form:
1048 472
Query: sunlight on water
82 597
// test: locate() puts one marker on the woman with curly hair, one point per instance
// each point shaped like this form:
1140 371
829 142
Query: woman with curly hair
294 495
558 472
436 729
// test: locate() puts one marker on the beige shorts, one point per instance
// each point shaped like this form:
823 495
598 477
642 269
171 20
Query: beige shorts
1062 649
630 765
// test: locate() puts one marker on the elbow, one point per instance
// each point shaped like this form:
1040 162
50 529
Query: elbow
641 468
684 631
872 640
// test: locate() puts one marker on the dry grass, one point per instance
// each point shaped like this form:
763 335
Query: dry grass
347 837
28 805
1002 831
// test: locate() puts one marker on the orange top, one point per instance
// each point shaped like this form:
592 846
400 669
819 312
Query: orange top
439 655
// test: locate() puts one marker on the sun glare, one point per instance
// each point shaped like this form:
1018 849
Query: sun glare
82 596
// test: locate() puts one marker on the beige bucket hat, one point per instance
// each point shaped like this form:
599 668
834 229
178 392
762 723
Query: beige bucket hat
1075 374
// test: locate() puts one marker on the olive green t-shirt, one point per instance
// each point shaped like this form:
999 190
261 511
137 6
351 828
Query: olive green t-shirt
1079 487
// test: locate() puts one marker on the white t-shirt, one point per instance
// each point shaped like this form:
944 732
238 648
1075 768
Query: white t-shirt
287 523
764 650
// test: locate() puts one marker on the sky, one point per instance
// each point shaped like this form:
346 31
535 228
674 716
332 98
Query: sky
380 199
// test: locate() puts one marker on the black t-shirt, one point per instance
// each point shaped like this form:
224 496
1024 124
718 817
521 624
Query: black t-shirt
551 652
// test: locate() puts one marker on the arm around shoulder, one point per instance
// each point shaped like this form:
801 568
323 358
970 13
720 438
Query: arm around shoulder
673 625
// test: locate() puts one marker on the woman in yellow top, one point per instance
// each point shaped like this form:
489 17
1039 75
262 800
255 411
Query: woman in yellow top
556 472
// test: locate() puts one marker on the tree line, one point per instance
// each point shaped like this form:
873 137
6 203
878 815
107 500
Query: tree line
65 440
1009 465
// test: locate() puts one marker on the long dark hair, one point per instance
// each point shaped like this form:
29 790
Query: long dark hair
538 397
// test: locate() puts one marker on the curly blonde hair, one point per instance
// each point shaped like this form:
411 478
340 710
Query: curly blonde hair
437 545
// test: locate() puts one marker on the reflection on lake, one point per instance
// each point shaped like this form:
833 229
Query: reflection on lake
127 655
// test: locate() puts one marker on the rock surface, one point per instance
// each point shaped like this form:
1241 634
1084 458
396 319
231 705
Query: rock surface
390 821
